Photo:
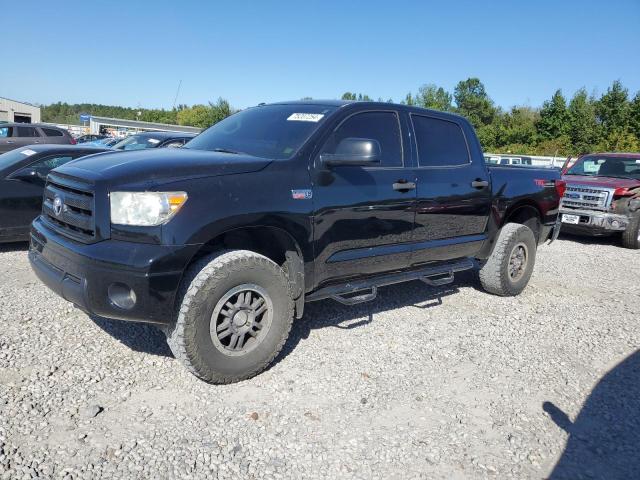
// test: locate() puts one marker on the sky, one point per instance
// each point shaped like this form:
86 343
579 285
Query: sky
136 53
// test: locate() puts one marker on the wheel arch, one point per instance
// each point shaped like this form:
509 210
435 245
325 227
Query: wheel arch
274 242
525 213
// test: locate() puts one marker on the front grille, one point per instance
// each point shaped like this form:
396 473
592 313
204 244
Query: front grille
74 214
584 196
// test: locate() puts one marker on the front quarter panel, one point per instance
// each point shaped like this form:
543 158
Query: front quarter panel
220 204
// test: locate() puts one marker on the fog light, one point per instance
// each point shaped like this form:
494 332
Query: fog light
122 296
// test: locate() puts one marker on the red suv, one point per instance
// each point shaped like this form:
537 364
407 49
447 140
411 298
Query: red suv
603 196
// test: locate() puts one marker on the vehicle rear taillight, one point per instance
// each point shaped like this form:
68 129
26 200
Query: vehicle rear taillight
561 187
73 141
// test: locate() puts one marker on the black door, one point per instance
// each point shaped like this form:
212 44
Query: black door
21 196
364 218
453 192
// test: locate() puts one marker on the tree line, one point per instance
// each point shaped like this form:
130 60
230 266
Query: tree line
584 123
196 116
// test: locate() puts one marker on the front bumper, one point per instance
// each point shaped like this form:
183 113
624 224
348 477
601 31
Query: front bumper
83 273
595 222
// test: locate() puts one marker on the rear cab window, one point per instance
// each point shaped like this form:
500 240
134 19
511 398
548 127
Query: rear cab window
440 143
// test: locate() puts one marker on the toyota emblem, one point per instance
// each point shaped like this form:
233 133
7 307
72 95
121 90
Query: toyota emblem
57 205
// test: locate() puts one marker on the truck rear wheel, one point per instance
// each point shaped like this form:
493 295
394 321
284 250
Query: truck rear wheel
235 314
509 268
631 236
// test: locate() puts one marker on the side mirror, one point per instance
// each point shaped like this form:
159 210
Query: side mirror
354 152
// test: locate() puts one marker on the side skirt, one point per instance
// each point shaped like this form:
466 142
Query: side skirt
443 271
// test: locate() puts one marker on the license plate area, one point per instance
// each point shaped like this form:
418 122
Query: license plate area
572 219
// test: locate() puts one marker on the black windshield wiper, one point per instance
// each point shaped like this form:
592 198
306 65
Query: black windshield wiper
227 150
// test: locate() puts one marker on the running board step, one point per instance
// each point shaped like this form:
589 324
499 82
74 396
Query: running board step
443 273
364 297
438 282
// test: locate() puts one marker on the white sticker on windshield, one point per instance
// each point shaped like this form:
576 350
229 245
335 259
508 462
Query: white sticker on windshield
27 152
305 117
638 160
154 140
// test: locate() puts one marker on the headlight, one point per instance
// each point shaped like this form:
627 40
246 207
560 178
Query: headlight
145 208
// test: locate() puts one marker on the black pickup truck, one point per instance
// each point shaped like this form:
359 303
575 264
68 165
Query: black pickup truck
222 242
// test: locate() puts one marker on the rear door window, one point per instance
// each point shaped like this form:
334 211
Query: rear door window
27 132
441 143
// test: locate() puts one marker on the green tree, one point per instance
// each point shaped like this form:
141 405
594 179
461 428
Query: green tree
554 117
634 116
612 110
359 97
517 127
582 127
409 100
434 97
196 116
473 102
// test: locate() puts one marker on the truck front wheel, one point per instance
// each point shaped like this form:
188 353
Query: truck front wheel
234 316
631 236
509 268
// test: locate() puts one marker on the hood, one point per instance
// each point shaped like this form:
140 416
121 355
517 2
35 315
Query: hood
604 182
162 165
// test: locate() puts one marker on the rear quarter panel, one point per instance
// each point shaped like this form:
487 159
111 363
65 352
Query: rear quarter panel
514 186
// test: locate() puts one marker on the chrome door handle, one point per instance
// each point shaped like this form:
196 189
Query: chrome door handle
479 184
404 186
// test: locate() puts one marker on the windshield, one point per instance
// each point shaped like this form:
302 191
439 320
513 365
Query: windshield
14 156
606 166
269 131
137 142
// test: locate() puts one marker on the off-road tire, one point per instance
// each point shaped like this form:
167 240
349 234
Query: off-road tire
206 282
630 235
495 273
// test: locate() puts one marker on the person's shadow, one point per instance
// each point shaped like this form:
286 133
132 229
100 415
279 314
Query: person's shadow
604 440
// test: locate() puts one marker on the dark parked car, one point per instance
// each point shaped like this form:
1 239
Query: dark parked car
141 141
23 173
222 242
90 138
16 135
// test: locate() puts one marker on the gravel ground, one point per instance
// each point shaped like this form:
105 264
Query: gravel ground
422 383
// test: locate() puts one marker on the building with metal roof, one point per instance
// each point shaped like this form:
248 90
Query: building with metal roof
20 112
99 125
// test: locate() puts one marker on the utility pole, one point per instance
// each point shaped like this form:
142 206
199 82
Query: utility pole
175 100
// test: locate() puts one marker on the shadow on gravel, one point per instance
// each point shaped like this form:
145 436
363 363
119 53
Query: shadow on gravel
326 313
604 439
139 337
612 240
14 247
329 313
